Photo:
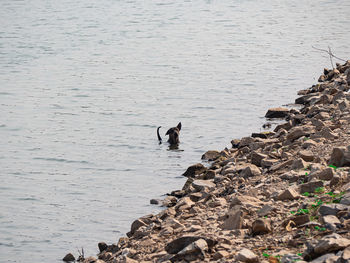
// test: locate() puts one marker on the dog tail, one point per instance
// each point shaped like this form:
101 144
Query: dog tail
159 138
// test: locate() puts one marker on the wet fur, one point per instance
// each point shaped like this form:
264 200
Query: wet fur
174 134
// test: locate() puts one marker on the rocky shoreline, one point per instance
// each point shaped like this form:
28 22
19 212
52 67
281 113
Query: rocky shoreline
276 196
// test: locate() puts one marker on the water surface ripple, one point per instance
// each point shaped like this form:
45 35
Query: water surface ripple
85 83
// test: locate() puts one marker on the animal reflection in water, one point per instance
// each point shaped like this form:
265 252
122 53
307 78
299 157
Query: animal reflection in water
174 134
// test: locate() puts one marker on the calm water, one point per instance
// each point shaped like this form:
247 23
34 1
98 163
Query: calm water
85 83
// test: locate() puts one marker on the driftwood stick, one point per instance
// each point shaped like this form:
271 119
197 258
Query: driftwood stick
329 53
330 56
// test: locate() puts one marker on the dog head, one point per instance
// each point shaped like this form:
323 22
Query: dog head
174 134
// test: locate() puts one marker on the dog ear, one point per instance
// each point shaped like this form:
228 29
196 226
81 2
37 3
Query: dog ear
168 132
179 126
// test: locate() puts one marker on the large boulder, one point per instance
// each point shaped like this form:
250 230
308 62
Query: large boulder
340 156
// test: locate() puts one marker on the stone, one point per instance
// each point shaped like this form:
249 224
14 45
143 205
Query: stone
102 246
201 185
246 255
277 113
234 219
290 258
180 243
331 209
268 162
327 258
265 210
184 203
154 202
330 219
346 254
299 131
257 157
142 221
340 156
69 257
250 171
175 224
327 133
169 201
289 194
195 249
211 155
326 174
261 226
298 220
220 254
345 200
194 170
307 156
310 186
330 243
298 164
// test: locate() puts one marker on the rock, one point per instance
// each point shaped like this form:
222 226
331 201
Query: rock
298 220
234 218
69 257
194 170
340 156
327 258
220 254
310 187
250 171
345 200
154 202
211 155
330 243
184 203
327 133
330 219
307 156
331 209
298 164
299 131
261 226
268 162
265 210
257 157
102 246
201 185
199 245
326 174
277 113
246 141
290 258
169 201
179 244
346 254
246 255
289 194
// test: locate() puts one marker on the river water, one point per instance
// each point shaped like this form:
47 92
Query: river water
85 83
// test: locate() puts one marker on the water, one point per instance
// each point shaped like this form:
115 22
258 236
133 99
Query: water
84 84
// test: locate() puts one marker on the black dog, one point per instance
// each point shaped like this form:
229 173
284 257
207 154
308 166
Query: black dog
174 134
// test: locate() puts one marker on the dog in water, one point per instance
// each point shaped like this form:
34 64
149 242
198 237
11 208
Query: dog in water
174 134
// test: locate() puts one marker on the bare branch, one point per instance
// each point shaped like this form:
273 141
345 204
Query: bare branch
329 52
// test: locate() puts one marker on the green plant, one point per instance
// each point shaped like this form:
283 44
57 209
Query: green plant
306 194
333 166
319 190
317 204
320 228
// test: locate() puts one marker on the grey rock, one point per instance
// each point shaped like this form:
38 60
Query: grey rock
234 218
310 187
289 194
331 243
69 257
257 157
277 113
340 156
200 185
331 209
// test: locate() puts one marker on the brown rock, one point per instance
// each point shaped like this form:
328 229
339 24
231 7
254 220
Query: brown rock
201 185
307 156
194 170
234 218
250 171
211 155
310 187
69 257
340 156
261 226
299 131
326 174
277 113
257 157
289 194
220 254
246 255
330 243
298 164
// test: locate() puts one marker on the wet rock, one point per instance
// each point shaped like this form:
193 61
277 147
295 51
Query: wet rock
194 170
340 156
234 218
102 246
69 257
261 226
154 202
211 155
246 255
310 187
277 113
289 194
